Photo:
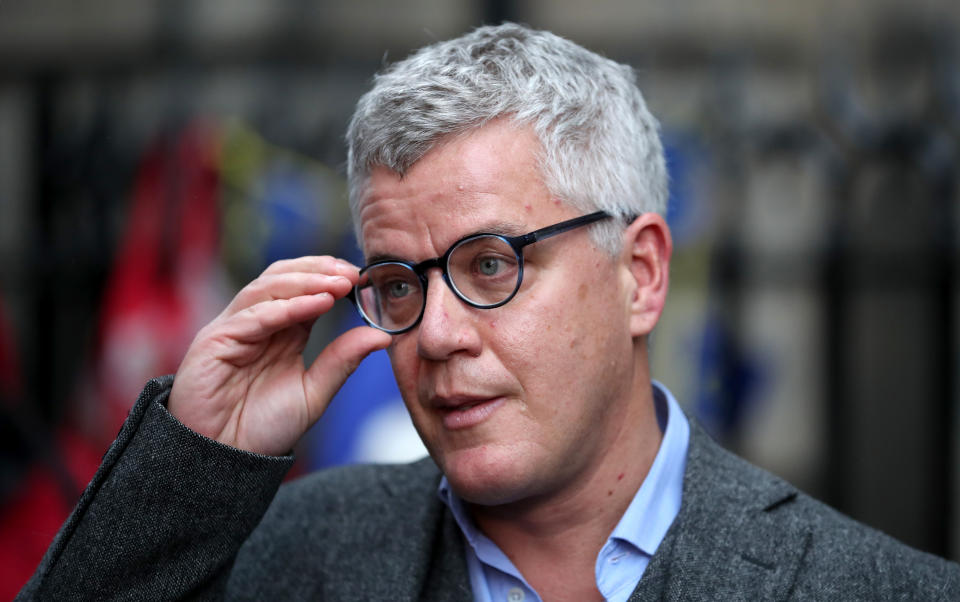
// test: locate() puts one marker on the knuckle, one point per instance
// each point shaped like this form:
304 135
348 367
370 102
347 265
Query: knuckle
253 311
258 284
276 266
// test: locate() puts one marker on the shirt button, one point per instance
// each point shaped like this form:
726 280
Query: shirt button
515 595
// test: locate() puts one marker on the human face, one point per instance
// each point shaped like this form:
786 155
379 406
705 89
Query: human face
521 400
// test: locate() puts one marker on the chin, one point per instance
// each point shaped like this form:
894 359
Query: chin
488 476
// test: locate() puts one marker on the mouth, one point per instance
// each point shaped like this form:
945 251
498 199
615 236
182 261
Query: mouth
463 413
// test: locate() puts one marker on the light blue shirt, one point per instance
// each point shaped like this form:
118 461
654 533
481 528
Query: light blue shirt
631 545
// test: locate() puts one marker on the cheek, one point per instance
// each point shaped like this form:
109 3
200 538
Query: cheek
542 344
558 335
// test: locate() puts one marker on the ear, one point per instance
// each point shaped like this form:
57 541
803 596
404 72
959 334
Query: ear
647 247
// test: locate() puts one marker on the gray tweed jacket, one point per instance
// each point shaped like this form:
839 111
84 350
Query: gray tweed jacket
172 515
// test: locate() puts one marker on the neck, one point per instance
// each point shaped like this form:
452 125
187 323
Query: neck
561 534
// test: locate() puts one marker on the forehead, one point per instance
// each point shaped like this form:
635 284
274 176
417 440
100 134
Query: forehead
487 180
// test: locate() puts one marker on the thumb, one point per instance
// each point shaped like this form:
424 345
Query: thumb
338 361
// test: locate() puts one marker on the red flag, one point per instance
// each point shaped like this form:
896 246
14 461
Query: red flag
166 282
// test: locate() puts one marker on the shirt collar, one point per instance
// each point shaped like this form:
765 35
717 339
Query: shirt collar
485 549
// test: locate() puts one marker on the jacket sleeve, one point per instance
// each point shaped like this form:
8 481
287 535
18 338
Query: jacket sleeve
162 518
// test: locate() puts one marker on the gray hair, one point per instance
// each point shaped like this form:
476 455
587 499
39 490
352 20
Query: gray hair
601 148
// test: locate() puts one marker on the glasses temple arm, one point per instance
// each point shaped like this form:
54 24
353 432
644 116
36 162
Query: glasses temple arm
562 227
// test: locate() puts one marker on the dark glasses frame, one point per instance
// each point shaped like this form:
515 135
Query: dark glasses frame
517 243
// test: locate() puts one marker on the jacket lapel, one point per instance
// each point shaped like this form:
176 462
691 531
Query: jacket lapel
727 541
448 579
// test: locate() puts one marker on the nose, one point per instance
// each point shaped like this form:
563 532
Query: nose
448 324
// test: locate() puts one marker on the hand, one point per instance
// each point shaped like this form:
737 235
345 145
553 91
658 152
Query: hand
243 381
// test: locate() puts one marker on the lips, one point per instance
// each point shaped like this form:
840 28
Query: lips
463 412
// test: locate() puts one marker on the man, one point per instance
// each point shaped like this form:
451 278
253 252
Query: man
508 189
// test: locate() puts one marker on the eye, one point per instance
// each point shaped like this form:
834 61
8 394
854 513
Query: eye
397 289
489 265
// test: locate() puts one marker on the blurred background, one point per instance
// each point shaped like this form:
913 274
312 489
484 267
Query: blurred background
155 155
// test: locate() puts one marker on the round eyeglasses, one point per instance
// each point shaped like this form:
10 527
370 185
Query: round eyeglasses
483 270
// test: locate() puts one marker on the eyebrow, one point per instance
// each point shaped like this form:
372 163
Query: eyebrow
385 257
500 228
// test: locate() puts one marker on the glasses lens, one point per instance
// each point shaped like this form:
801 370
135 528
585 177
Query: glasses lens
390 295
484 269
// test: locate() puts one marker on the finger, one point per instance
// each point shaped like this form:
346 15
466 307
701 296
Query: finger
321 264
338 361
269 287
257 322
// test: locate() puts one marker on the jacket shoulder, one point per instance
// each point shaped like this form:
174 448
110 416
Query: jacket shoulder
834 556
330 527
847 558
357 488
349 501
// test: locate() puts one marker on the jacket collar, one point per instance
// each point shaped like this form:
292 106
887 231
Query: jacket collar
726 542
